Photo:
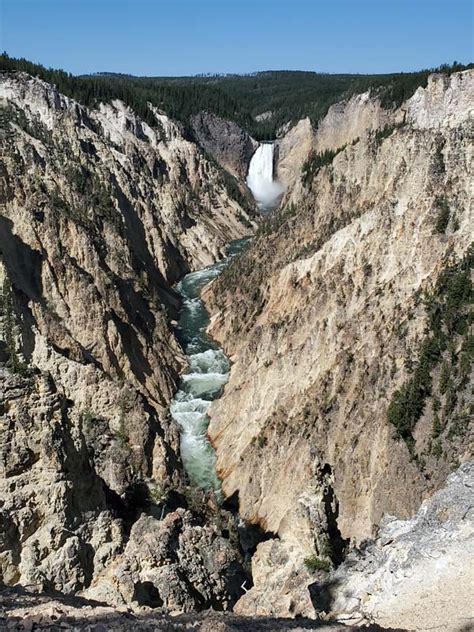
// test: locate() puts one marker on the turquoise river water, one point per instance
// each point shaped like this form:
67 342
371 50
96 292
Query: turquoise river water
205 378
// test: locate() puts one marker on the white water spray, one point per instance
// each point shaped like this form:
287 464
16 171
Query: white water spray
260 180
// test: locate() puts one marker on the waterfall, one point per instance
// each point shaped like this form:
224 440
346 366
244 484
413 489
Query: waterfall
260 180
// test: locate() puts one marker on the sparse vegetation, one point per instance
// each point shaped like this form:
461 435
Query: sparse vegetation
158 494
385 132
442 219
439 166
11 114
121 433
262 441
436 426
449 317
93 195
8 320
315 161
313 563
325 233
87 417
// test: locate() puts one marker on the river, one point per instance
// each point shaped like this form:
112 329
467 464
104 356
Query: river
205 377
209 367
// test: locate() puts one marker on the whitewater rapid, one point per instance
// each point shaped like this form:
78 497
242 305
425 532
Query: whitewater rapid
260 181
207 373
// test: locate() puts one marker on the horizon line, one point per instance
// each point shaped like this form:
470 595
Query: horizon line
210 75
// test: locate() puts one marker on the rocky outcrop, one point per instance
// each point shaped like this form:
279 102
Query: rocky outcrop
64 528
344 124
180 563
349 120
225 141
340 324
177 563
56 528
101 214
417 573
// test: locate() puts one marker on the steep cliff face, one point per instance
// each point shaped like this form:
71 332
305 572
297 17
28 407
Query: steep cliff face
229 144
292 151
101 214
347 325
63 526
344 123
56 528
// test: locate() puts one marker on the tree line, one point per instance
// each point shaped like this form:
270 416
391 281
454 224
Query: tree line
286 95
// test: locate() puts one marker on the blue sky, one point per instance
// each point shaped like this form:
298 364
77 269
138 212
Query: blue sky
179 37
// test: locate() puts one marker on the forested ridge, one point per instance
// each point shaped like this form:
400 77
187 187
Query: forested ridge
281 96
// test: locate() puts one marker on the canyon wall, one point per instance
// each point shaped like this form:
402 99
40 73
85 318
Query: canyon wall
418 573
225 141
100 215
347 325
292 151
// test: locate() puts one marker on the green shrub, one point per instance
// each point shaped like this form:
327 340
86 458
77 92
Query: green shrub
448 314
87 416
122 430
439 165
313 563
315 161
436 426
158 494
408 402
9 327
262 441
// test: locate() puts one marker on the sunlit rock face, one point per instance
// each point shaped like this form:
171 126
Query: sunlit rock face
325 318
101 215
230 145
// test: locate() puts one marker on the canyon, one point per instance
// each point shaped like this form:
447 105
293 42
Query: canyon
124 332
